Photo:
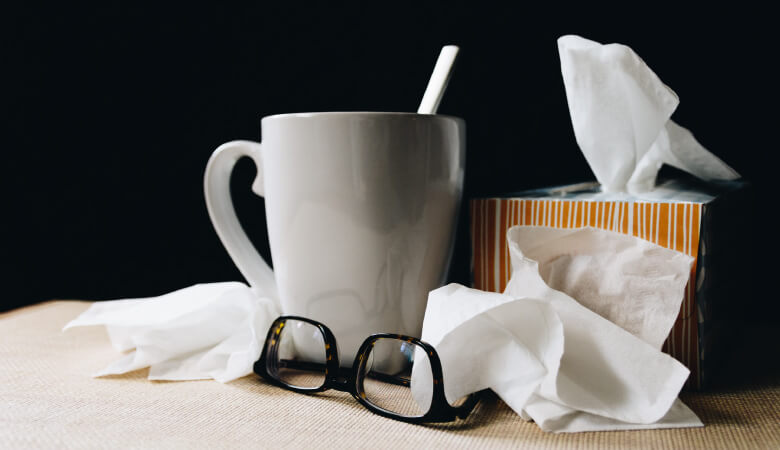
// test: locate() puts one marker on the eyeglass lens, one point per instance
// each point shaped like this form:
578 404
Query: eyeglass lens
299 358
397 377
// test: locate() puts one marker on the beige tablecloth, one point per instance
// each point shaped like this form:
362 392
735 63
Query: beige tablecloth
49 400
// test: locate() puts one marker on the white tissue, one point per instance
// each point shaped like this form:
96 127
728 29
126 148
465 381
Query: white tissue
207 331
620 111
631 282
550 358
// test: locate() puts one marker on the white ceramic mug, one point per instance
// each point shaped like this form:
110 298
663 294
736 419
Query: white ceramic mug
361 209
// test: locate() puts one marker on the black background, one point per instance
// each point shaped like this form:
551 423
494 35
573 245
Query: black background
111 111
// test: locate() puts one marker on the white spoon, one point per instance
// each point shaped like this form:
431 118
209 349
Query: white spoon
439 79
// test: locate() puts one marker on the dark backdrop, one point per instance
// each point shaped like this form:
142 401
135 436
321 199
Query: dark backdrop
110 113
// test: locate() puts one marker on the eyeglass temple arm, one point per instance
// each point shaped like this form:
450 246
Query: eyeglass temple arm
465 409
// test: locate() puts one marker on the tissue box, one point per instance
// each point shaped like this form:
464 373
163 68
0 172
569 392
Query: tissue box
707 221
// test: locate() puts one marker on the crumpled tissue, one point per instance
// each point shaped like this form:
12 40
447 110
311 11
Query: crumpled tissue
550 357
620 111
206 331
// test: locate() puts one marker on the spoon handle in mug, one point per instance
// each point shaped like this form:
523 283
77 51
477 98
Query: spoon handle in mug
223 215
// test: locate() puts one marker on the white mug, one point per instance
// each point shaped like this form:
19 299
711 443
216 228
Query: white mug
361 210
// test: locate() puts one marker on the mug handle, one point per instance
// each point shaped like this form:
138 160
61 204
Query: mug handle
216 184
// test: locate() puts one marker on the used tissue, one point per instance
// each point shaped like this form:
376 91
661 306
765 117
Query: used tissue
555 361
620 111
207 331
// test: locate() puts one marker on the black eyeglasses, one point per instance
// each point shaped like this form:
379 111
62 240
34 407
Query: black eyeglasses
396 376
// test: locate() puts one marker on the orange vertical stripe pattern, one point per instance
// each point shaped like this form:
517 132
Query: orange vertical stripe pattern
671 225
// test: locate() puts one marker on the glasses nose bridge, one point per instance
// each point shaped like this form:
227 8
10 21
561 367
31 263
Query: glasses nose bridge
343 381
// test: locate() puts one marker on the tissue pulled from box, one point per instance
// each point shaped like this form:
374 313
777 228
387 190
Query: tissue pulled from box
206 331
554 360
620 111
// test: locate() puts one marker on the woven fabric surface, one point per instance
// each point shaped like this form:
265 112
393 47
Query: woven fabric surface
49 400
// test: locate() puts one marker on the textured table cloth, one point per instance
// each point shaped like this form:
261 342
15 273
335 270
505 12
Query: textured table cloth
49 400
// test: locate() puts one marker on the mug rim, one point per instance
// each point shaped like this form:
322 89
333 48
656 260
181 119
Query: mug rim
303 115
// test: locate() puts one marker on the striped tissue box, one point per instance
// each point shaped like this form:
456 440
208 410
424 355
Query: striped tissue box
684 216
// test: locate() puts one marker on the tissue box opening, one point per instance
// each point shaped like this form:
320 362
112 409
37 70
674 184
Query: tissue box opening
709 222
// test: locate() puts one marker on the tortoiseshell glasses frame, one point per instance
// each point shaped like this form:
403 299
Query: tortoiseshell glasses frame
352 380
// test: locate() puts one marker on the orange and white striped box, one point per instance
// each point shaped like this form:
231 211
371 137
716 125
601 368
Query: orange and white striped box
680 215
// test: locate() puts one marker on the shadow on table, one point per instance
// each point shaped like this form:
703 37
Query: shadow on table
746 381
489 409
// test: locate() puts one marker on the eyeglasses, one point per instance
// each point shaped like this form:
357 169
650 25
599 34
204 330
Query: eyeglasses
395 376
